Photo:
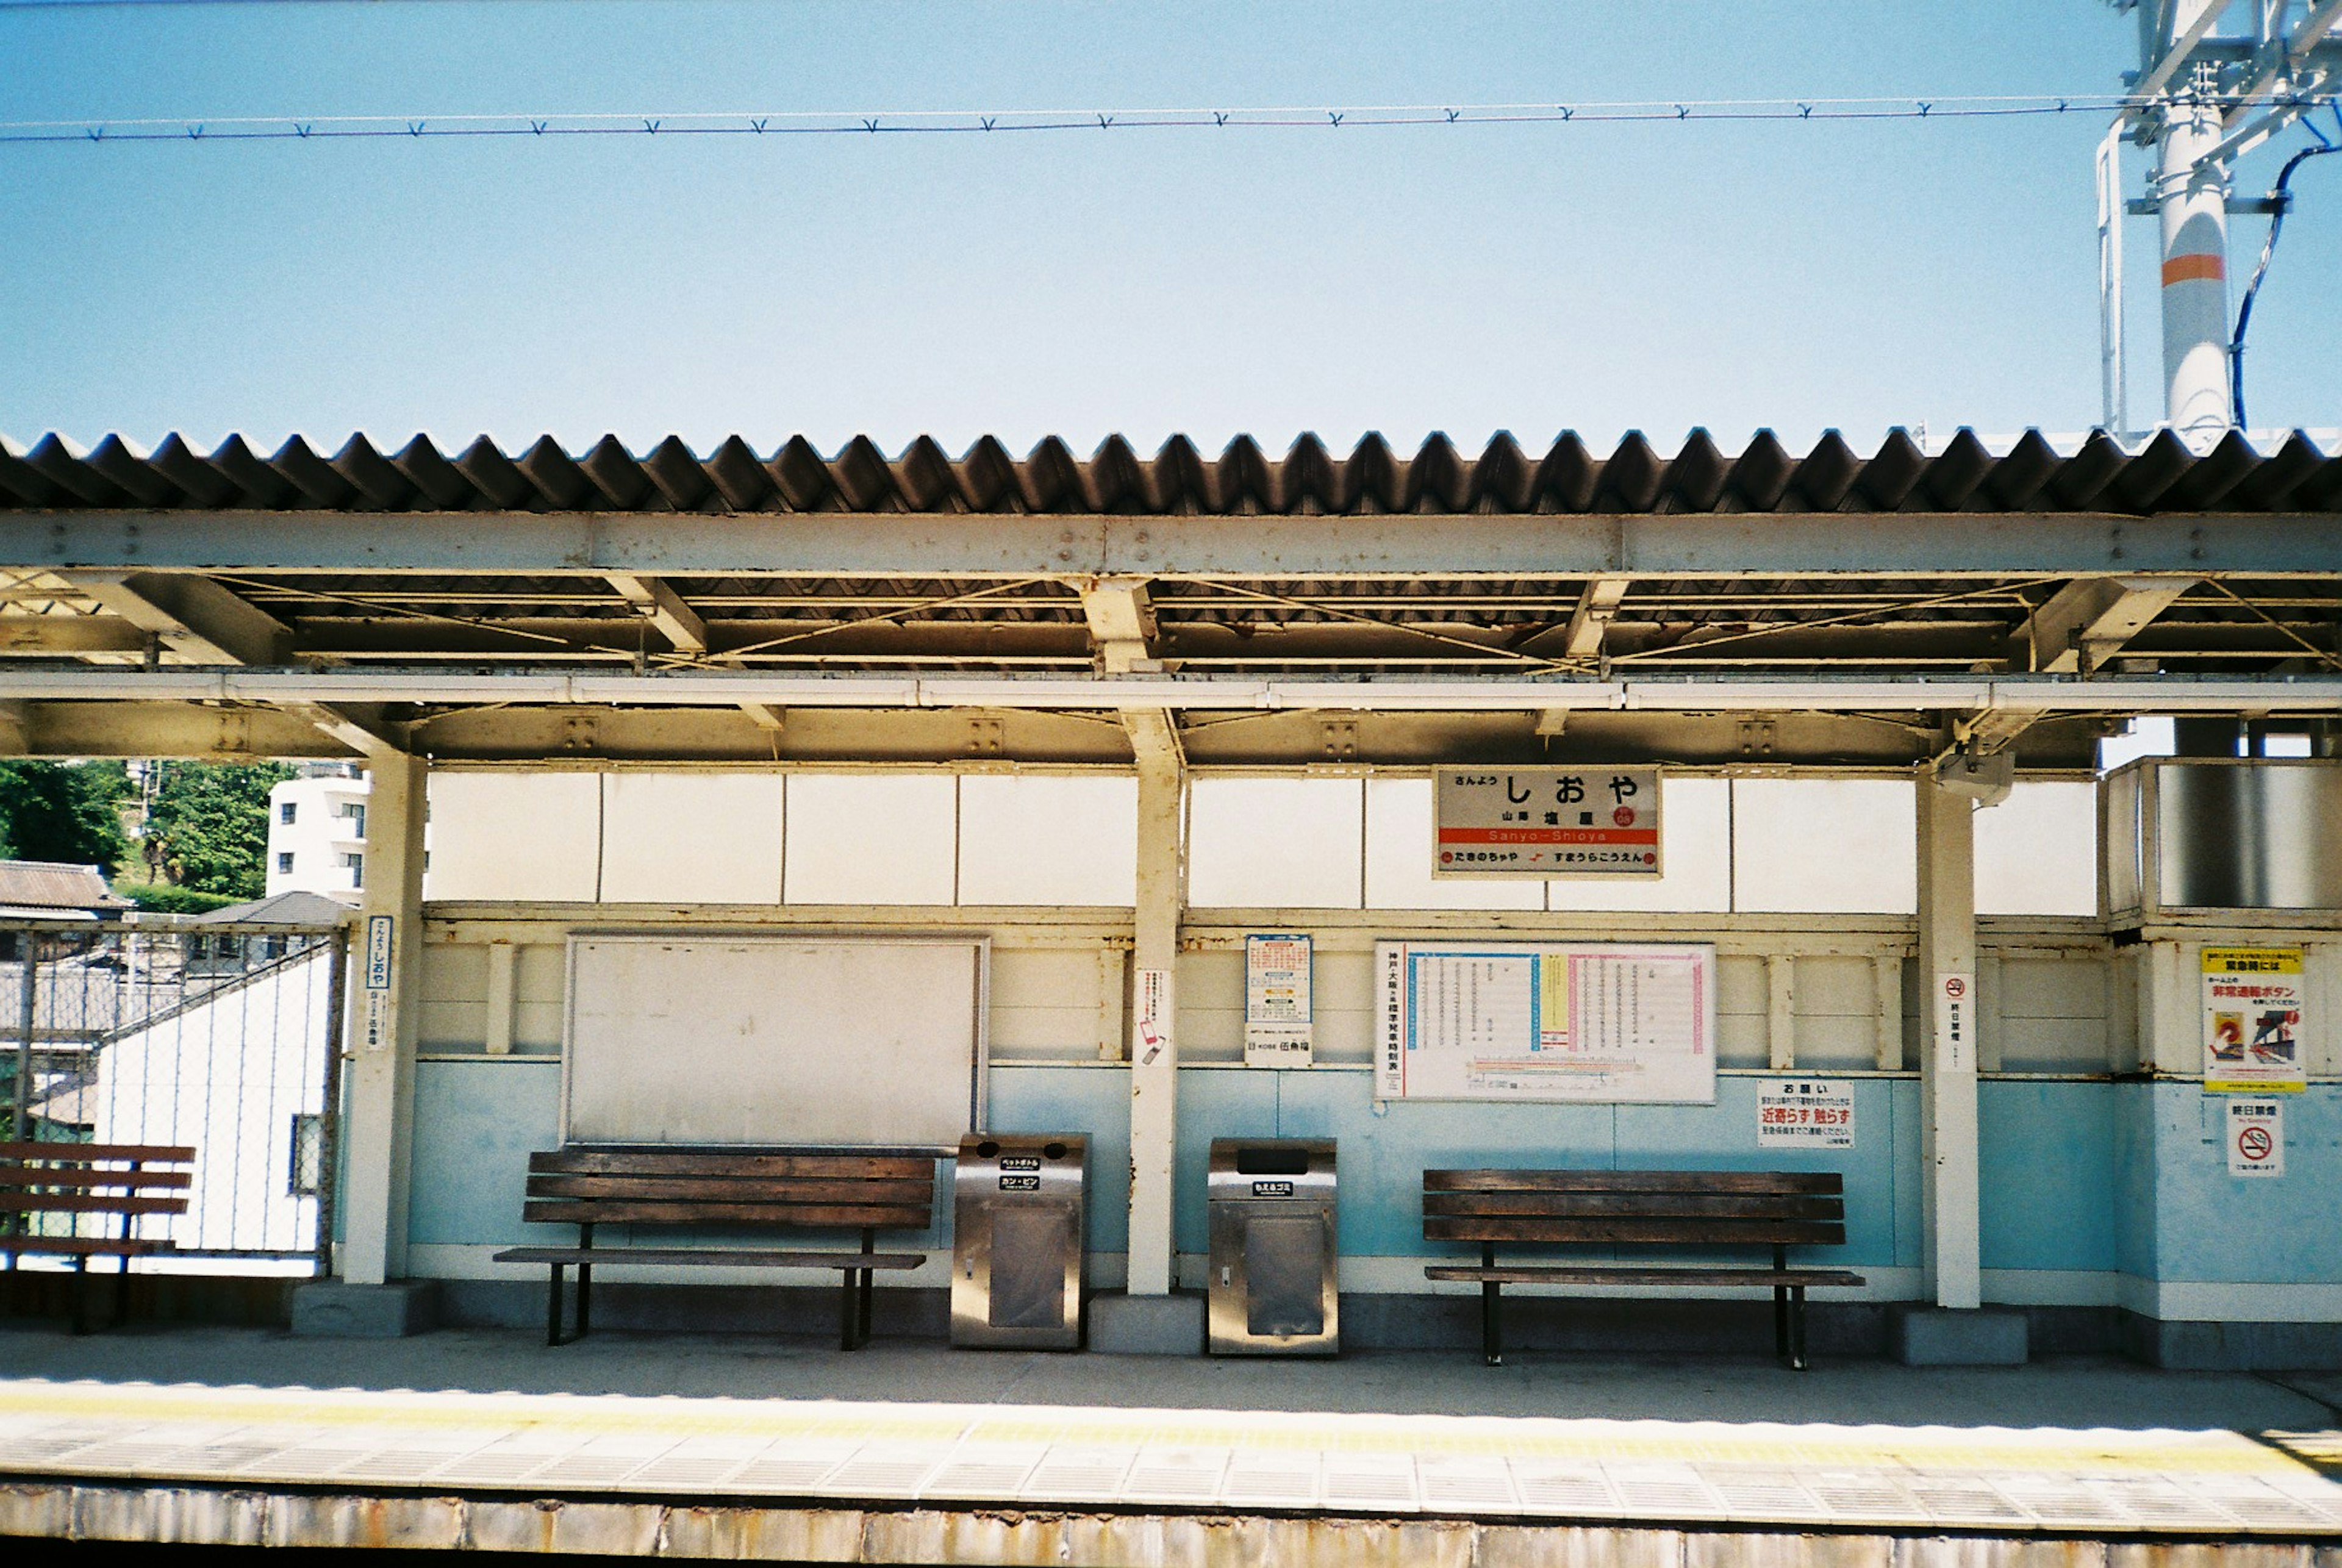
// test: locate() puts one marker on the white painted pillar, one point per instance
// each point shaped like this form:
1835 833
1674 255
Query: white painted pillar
1947 1055
378 1035
2195 216
1154 1021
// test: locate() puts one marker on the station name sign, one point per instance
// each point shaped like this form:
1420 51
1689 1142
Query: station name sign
1546 823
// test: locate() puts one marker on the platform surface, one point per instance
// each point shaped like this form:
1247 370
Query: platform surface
2080 1447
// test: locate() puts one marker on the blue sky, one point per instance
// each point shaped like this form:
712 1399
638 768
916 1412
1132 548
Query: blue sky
1529 278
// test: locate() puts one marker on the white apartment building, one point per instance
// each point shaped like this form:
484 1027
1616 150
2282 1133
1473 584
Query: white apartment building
316 836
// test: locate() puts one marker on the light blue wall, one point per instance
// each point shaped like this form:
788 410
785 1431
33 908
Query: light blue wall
2077 1176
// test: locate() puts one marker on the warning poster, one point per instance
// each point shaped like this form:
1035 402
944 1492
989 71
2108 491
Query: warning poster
1806 1113
1581 821
2253 1023
1547 1021
2255 1137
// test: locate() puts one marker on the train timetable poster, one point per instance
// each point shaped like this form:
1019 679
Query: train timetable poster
1599 1022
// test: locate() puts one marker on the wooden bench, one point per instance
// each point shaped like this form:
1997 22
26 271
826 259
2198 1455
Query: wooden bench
729 1190
118 1183
1707 1209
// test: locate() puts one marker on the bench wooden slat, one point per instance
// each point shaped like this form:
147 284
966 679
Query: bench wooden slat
1779 1182
1685 1233
1602 1275
83 1153
714 1257
753 1189
702 1163
646 1212
29 1176
83 1204
1632 1206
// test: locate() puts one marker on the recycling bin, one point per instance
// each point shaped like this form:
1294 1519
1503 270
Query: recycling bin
1271 1205
1019 1264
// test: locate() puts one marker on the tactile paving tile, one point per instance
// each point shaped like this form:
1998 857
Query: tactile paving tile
1549 1486
1869 1496
695 1465
2257 1506
788 1470
981 1473
2065 1501
1965 1499
1072 1474
1176 1475
1664 1491
1379 1482
1762 1496
508 1459
1467 1485
1271 1478
885 1469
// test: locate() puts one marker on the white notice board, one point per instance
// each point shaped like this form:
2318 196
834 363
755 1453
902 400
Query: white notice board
1546 1021
758 1039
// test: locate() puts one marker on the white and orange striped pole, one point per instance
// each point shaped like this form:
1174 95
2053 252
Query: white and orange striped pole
2194 209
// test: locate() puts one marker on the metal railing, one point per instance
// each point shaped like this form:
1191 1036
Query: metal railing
175 1031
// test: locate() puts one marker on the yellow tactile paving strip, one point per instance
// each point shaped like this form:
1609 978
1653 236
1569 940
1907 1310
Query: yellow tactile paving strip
587 1446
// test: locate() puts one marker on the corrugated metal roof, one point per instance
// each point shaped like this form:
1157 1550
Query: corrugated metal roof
2031 473
50 885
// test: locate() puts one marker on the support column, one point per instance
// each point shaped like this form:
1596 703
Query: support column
1952 1329
1154 1038
2194 251
1948 1054
378 1044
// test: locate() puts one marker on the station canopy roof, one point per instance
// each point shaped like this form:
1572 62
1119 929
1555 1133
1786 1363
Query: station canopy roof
1836 606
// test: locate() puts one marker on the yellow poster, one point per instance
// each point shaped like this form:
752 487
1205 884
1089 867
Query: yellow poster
2253 1018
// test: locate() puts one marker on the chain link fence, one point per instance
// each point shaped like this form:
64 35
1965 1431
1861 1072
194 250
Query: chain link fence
214 1035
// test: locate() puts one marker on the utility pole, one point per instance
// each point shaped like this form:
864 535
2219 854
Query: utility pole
2202 100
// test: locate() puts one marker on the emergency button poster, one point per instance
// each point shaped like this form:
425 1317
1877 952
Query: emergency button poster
1579 822
2253 1021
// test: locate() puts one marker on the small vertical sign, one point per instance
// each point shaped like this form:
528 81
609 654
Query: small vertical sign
1956 1023
1277 1004
2255 1137
379 938
1151 1003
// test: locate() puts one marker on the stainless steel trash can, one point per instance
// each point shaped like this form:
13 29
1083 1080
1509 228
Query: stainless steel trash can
1272 1290
1019 1263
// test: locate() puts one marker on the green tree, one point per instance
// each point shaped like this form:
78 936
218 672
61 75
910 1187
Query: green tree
210 824
63 811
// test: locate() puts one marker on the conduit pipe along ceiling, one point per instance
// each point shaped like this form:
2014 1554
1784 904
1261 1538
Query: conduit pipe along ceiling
1836 608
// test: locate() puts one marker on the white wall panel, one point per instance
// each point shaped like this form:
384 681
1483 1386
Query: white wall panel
691 838
1825 846
513 836
1277 844
870 838
1048 839
2037 851
1694 858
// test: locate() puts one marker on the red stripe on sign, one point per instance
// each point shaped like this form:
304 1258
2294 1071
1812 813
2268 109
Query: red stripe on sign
2201 267
1548 835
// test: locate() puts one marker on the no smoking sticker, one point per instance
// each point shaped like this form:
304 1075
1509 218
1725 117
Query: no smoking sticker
2256 1140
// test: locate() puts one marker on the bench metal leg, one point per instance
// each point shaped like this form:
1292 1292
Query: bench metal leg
1491 1312
849 1315
81 1294
553 1307
1781 1322
863 1290
1798 1328
584 1299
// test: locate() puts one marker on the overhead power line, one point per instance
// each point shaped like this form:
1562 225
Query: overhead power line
954 123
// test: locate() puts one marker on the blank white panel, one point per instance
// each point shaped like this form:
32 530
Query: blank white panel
1399 858
514 835
870 838
2037 851
1049 839
772 1040
1695 857
1825 846
691 838
1275 843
